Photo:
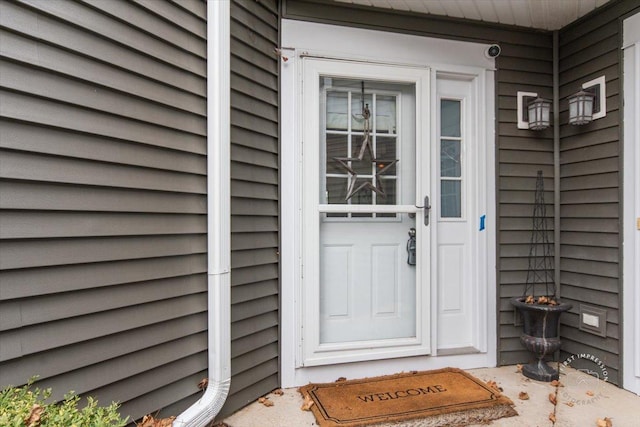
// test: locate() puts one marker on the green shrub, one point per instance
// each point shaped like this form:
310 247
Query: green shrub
26 406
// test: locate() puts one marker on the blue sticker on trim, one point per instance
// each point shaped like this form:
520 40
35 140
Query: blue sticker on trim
482 218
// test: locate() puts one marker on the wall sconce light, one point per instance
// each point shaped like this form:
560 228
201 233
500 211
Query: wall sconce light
588 104
539 110
581 107
533 112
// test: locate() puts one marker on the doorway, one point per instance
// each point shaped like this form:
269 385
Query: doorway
388 203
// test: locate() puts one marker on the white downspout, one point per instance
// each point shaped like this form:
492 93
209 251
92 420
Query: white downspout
201 413
556 163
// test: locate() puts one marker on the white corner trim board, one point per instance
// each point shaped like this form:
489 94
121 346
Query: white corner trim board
201 413
631 215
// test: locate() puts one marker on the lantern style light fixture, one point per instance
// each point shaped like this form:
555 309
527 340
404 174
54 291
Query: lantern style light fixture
534 112
581 107
539 114
589 104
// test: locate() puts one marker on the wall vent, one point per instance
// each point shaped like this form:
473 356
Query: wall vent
593 320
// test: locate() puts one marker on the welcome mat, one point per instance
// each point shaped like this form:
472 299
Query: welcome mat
444 397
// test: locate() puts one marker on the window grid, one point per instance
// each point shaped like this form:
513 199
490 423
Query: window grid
451 150
354 139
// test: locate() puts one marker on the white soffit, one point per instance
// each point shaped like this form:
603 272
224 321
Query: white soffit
540 14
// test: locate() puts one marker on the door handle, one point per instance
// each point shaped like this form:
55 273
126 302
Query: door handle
427 210
411 247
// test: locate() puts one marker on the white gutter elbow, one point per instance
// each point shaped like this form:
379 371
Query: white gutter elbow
205 410
201 413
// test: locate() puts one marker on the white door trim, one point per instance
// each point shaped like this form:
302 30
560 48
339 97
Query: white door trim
631 214
446 56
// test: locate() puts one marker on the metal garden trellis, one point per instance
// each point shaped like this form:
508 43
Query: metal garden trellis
540 269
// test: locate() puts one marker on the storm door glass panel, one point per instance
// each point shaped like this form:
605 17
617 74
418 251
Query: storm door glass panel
450 159
367 150
361 146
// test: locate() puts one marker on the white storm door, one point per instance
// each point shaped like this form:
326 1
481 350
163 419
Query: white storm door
365 174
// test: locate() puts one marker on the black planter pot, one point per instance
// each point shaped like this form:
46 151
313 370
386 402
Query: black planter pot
540 336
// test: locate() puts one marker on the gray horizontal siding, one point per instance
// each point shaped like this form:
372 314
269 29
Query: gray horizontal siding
103 199
255 318
591 186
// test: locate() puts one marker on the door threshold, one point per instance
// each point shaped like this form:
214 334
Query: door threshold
457 351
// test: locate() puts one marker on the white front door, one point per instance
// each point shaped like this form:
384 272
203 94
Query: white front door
367 284
366 169
631 273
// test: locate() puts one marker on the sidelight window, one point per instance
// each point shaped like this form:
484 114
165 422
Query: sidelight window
450 158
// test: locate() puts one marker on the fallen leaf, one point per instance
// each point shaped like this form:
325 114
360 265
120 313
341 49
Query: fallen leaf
543 300
494 385
278 392
203 384
307 404
518 368
151 421
590 393
552 398
530 300
147 421
570 404
552 417
604 423
165 422
553 302
556 383
523 395
265 401
34 416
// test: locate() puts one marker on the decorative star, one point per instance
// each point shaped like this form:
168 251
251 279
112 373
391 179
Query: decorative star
353 175
366 144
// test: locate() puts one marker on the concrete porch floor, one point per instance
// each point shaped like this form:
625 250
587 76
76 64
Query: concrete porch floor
581 402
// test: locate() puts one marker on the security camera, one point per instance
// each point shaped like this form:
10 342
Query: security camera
493 51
